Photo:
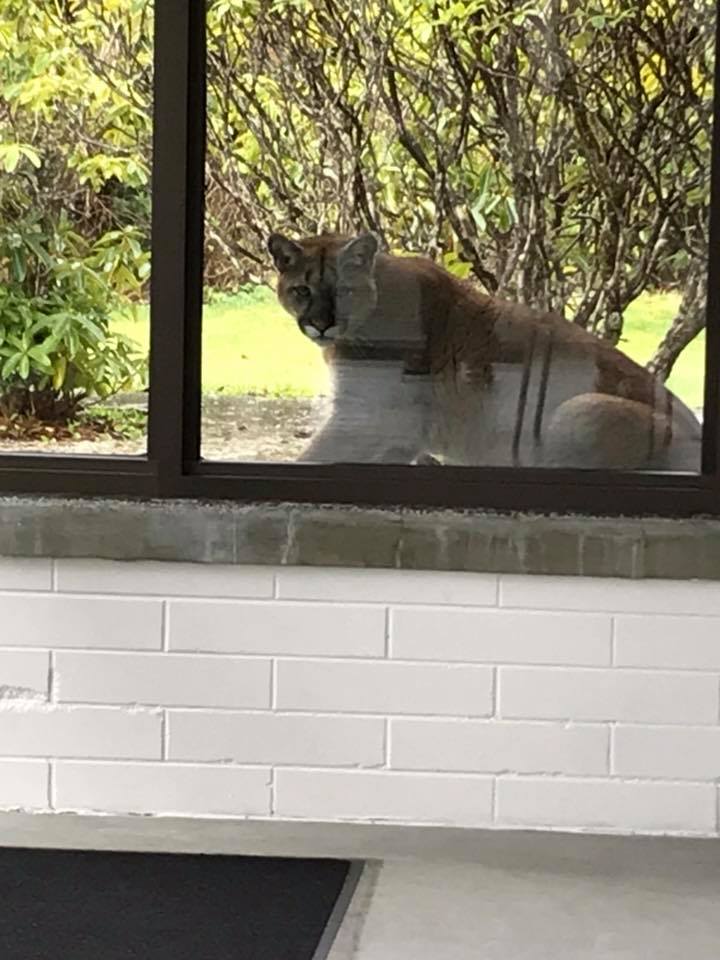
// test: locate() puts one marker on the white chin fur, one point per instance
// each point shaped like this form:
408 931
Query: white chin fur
330 334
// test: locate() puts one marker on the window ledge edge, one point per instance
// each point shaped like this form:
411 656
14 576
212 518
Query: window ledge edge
354 536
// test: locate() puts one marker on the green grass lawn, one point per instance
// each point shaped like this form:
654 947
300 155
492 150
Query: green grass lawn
251 346
646 321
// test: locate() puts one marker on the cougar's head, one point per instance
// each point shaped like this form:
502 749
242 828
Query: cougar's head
306 282
327 283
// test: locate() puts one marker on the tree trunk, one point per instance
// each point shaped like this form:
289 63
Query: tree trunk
688 323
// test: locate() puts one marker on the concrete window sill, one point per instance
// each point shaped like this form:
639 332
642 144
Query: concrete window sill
360 537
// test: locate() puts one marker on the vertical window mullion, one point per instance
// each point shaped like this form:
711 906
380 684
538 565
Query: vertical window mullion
177 239
711 411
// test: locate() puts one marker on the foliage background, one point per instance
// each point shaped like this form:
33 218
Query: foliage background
555 152
75 144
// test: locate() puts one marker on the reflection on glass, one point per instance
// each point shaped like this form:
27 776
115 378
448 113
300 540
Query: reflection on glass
488 227
75 144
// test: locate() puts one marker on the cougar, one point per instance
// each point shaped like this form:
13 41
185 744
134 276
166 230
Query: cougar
427 369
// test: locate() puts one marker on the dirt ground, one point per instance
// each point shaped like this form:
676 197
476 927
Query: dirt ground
259 428
234 428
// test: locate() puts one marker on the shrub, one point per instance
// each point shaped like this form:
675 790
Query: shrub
56 348
74 201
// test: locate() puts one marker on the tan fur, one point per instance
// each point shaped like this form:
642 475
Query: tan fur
480 380
306 278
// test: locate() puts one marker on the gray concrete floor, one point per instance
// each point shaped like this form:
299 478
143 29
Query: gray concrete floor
437 893
465 911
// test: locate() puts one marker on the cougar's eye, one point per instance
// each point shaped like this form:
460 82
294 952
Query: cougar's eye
302 292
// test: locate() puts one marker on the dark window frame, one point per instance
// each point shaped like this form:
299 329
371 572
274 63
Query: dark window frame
173 467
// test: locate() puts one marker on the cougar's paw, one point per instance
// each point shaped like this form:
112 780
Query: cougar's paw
426 460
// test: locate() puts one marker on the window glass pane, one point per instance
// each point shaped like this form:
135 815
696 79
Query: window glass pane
75 146
486 224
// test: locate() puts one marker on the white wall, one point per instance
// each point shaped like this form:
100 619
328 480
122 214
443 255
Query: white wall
442 698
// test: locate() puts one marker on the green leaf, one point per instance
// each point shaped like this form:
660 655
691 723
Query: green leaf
11 365
91 327
39 251
59 371
19 265
10 154
41 358
32 155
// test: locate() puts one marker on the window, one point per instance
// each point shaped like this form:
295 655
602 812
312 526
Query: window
75 154
557 159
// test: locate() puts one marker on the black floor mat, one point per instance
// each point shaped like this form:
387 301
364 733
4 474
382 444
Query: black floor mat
59 905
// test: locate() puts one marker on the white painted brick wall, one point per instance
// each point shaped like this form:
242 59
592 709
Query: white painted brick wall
168 787
639 696
376 586
25 574
23 673
361 695
497 747
53 620
167 679
276 738
383 687
499 636
410 797
48 731
677 753
164 579
24 784
607 804
296 629
653 642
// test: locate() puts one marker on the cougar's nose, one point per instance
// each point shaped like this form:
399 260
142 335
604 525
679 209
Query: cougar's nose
325 318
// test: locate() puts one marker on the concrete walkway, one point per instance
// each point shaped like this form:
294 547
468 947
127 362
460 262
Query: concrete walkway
439 893
464 911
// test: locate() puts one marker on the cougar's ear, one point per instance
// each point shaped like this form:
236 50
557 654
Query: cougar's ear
361 251
285 252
